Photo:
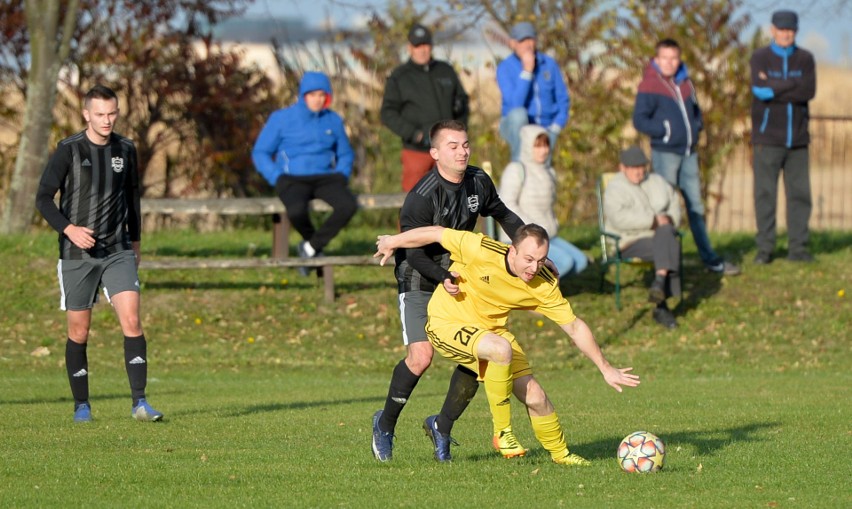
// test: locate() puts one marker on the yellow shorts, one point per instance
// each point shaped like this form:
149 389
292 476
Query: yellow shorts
457 342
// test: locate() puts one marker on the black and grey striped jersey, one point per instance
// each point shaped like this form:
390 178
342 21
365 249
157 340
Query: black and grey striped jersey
98 188
435 201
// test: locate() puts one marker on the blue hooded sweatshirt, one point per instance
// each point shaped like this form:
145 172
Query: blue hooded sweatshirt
299 142
542 93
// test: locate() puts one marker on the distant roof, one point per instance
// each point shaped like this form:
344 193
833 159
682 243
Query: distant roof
264 29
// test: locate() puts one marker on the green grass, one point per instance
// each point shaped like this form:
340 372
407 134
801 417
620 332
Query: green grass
268 391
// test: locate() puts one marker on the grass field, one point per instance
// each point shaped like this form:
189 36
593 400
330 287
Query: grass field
268 391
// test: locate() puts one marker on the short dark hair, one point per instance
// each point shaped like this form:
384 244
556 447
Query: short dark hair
445 125
541 140
98 92
667 43
530 230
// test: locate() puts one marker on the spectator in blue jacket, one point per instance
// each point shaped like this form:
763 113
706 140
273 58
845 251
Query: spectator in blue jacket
783 81
303 151
532 90
667 110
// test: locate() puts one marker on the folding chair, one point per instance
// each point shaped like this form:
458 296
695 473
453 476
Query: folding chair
611 249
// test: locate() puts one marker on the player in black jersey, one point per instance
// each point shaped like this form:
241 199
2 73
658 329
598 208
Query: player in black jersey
99 225
454 195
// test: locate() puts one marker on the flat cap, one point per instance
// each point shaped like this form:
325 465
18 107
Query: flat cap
785 20
633 156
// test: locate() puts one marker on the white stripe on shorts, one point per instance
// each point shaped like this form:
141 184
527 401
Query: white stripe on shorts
61 285
402 318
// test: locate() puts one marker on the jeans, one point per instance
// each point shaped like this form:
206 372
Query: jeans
510 130
682 172
567 257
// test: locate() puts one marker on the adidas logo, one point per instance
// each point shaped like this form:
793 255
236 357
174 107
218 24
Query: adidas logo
485 279
80 373
504 402
137 360
400 401
86 162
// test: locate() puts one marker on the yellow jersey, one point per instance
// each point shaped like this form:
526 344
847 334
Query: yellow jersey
487 288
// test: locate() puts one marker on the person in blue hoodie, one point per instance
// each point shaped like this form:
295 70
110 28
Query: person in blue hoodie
783 81
304 153
667 110
532 90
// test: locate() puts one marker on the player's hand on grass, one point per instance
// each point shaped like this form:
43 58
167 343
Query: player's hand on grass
451 284
616 377
384 249
80 236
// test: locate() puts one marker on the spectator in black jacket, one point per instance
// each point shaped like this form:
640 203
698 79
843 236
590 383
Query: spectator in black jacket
783 79
419 93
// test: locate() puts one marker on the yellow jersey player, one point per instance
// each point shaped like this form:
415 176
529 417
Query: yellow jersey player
470 327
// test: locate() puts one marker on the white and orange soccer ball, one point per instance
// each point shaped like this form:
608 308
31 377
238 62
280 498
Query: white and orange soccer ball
641 452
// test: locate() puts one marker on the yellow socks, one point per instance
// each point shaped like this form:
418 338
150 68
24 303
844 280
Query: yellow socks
498 389
548 431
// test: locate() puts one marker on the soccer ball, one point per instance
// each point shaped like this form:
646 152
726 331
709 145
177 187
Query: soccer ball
641 452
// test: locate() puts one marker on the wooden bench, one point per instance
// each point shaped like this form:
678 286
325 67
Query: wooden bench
280 233
326 263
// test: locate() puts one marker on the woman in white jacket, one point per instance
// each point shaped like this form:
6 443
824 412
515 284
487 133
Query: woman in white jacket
528 188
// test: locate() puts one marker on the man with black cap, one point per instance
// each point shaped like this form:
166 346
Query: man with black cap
532 90
783 79
644 210
419 93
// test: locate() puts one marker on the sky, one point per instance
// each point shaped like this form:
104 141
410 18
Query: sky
823 28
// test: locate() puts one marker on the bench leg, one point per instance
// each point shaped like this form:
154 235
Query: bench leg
280 236
328 282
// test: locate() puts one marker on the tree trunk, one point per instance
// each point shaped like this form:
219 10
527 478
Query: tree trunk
47 53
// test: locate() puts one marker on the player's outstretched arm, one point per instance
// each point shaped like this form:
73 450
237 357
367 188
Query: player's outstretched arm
585 341
416 237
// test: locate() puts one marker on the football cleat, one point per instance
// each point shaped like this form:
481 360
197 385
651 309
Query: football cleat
572 460
83 413
143 412
382 441
506 443
440 441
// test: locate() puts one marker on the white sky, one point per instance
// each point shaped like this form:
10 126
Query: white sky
823 29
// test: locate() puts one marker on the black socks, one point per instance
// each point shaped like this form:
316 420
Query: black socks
136 363
77 365
403 382
463 387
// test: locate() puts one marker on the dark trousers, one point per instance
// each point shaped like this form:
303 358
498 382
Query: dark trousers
769 162
297 192
664 250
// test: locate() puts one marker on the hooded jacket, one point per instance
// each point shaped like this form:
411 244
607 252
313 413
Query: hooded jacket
299 142
417 96
782 120
542 93
529 188
667 110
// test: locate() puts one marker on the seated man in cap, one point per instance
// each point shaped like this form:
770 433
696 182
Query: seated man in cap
418 94
644 210
532 90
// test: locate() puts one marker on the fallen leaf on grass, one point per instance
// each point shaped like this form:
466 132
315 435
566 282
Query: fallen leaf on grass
41 351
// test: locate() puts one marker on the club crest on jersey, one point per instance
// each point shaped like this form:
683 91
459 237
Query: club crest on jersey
473 203
117 164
